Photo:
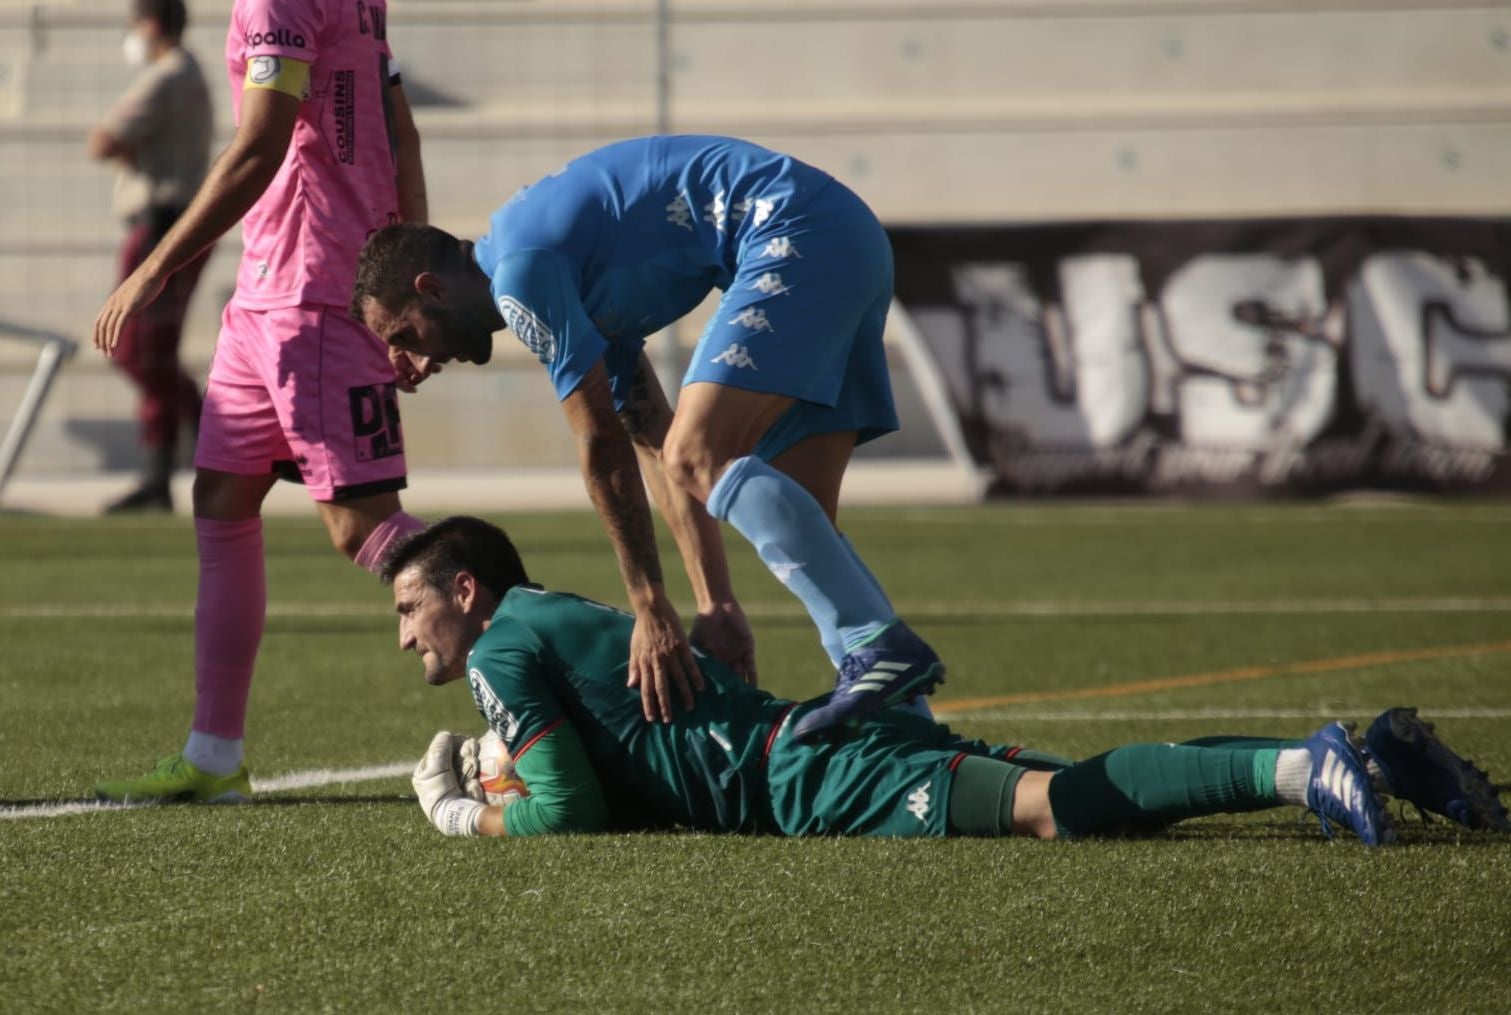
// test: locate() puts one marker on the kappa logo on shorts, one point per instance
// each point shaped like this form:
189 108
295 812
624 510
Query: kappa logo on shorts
736 355
781 247
918 801
499 717
753 318
375 421
528 328
771 284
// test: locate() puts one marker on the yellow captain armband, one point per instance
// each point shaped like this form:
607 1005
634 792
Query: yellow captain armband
280 74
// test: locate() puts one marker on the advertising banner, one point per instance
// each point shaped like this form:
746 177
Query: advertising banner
1293 356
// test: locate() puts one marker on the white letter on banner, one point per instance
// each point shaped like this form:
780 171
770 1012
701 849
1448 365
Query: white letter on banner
1432 348
1071 378
1251 351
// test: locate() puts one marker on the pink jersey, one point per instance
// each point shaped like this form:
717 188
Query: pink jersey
337 182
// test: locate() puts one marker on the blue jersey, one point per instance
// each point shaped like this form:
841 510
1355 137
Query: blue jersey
624 240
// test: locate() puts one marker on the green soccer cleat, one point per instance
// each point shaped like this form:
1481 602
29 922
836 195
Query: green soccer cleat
176 780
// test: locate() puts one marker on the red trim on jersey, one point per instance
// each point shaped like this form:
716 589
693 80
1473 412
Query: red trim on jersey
776 727
1012 753
533 741
957 759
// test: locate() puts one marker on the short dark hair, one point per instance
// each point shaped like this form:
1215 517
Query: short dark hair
393 256
171 15
452 545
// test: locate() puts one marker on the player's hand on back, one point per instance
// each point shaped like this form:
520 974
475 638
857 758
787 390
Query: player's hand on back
662 666
128 300
723 632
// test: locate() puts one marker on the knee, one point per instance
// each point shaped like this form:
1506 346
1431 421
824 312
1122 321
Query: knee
691 464
349 535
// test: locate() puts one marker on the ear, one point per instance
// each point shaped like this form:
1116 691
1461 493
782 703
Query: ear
429 287
464 589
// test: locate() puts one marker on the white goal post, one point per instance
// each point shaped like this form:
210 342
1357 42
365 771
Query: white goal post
54 351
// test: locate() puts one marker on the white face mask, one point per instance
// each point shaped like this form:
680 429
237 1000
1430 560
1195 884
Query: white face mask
134 49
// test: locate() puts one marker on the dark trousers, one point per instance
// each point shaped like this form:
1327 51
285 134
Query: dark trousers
148 349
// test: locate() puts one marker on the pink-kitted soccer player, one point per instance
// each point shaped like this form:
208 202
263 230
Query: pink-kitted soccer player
325 152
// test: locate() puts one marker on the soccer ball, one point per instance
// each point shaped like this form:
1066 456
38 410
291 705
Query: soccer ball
495 770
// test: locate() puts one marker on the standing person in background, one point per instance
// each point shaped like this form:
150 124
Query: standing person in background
158 133
325 153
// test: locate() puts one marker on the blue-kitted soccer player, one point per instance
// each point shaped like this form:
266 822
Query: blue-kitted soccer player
789 376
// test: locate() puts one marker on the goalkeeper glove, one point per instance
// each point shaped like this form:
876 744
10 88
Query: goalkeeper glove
435 783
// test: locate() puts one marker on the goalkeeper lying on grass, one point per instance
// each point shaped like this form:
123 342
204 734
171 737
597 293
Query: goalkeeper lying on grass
548 671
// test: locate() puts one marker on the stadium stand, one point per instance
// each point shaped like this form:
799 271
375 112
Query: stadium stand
967 111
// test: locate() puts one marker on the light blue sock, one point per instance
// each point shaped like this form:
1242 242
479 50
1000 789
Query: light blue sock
796 541
918 704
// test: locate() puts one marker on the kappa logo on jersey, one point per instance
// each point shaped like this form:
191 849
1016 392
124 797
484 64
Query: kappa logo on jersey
918 801
781 247
771 284
753 318
715 211
499 717
528 328
679 213
759 209
274 37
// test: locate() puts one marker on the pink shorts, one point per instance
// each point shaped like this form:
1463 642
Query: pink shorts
307 393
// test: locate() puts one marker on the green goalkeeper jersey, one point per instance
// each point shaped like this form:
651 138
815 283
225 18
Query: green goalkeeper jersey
553 661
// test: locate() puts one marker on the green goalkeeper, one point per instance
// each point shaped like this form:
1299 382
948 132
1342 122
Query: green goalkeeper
547 671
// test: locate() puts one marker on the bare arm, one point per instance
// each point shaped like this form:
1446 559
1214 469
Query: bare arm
720 628
104 146
414 206
660 657
233 185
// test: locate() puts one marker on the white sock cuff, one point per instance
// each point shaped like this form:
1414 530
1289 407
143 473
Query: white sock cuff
210 753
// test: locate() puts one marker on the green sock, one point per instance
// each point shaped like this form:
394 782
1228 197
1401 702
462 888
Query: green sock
1145 786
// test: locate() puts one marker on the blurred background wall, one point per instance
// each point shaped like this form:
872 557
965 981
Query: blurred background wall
968 111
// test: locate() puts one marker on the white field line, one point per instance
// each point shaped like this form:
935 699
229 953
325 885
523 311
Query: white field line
1362 712
309 779
922 609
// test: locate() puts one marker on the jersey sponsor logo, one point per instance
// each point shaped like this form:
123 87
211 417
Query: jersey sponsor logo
680 214
736 355
781 246
344 97
753 318
918 801
528 328
375 421
488 703
771 284
263 70
274 37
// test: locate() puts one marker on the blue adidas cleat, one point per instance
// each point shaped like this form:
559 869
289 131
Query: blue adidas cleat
892 668
1341 789
1420 769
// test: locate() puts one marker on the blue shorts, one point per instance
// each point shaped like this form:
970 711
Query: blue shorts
803 317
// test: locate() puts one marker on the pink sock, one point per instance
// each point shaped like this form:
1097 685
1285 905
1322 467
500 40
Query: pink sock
228 621
389 531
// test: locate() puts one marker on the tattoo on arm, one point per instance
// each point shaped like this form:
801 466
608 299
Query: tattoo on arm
644 416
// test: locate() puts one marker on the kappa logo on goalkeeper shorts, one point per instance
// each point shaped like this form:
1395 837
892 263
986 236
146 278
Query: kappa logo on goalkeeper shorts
918 801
